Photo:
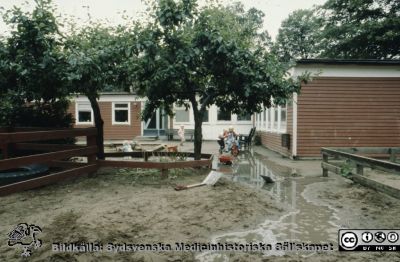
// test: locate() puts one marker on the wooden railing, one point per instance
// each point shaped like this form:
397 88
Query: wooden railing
53 155
162 166
360 156
15 141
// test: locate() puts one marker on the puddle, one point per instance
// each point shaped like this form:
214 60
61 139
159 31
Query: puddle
305 221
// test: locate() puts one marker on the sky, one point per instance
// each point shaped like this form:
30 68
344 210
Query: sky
111 10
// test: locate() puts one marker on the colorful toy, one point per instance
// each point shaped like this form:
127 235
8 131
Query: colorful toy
226 159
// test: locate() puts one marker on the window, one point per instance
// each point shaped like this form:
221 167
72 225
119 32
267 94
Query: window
181 116
224 115
205 116
276 120
121 114
244 117
283 119
84 114
268 114
265 118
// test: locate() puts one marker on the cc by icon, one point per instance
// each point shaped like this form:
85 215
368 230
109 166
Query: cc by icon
349 240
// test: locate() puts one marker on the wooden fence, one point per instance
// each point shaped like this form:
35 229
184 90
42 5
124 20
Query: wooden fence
162 166
53 156
57 155
360 156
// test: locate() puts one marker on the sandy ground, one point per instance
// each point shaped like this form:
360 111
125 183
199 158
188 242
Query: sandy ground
355 207
138 206
126 208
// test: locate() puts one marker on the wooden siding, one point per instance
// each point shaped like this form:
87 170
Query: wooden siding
348 112
117 132
273 141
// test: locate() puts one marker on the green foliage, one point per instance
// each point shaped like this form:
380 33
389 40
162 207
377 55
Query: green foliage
233 22
197 57
342 29
178 156
99 59
346 168
195 60
32 79
298 36
361 29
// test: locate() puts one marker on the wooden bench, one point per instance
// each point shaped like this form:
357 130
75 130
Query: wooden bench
172 133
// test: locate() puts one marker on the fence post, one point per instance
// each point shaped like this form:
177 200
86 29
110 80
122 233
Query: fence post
324 159
4 151
392 153
164 173
91 141
360 169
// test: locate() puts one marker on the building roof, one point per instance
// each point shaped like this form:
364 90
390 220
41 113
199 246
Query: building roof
117 93
348 61
113 93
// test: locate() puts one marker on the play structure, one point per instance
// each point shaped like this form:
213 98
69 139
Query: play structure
24 158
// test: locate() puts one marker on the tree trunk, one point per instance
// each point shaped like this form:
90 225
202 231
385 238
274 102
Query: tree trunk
99 123
198 134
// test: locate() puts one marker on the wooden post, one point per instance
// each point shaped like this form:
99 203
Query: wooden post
164 173
324 170
91 141
360 169
392 155
11 151
91 159
4 151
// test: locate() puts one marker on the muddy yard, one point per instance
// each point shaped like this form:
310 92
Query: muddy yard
139 207
117 206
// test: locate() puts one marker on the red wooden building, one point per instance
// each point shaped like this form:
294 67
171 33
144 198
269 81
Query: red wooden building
120 113
348 103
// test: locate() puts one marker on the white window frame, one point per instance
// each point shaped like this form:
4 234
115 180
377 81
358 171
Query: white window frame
271 118
268 124
278 128
114 123
265 119
77 122
273 127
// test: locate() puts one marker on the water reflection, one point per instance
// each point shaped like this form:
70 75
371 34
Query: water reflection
304 221
249 169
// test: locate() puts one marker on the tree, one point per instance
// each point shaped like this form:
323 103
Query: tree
99 59
189 56
32 86
361 29
298 36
